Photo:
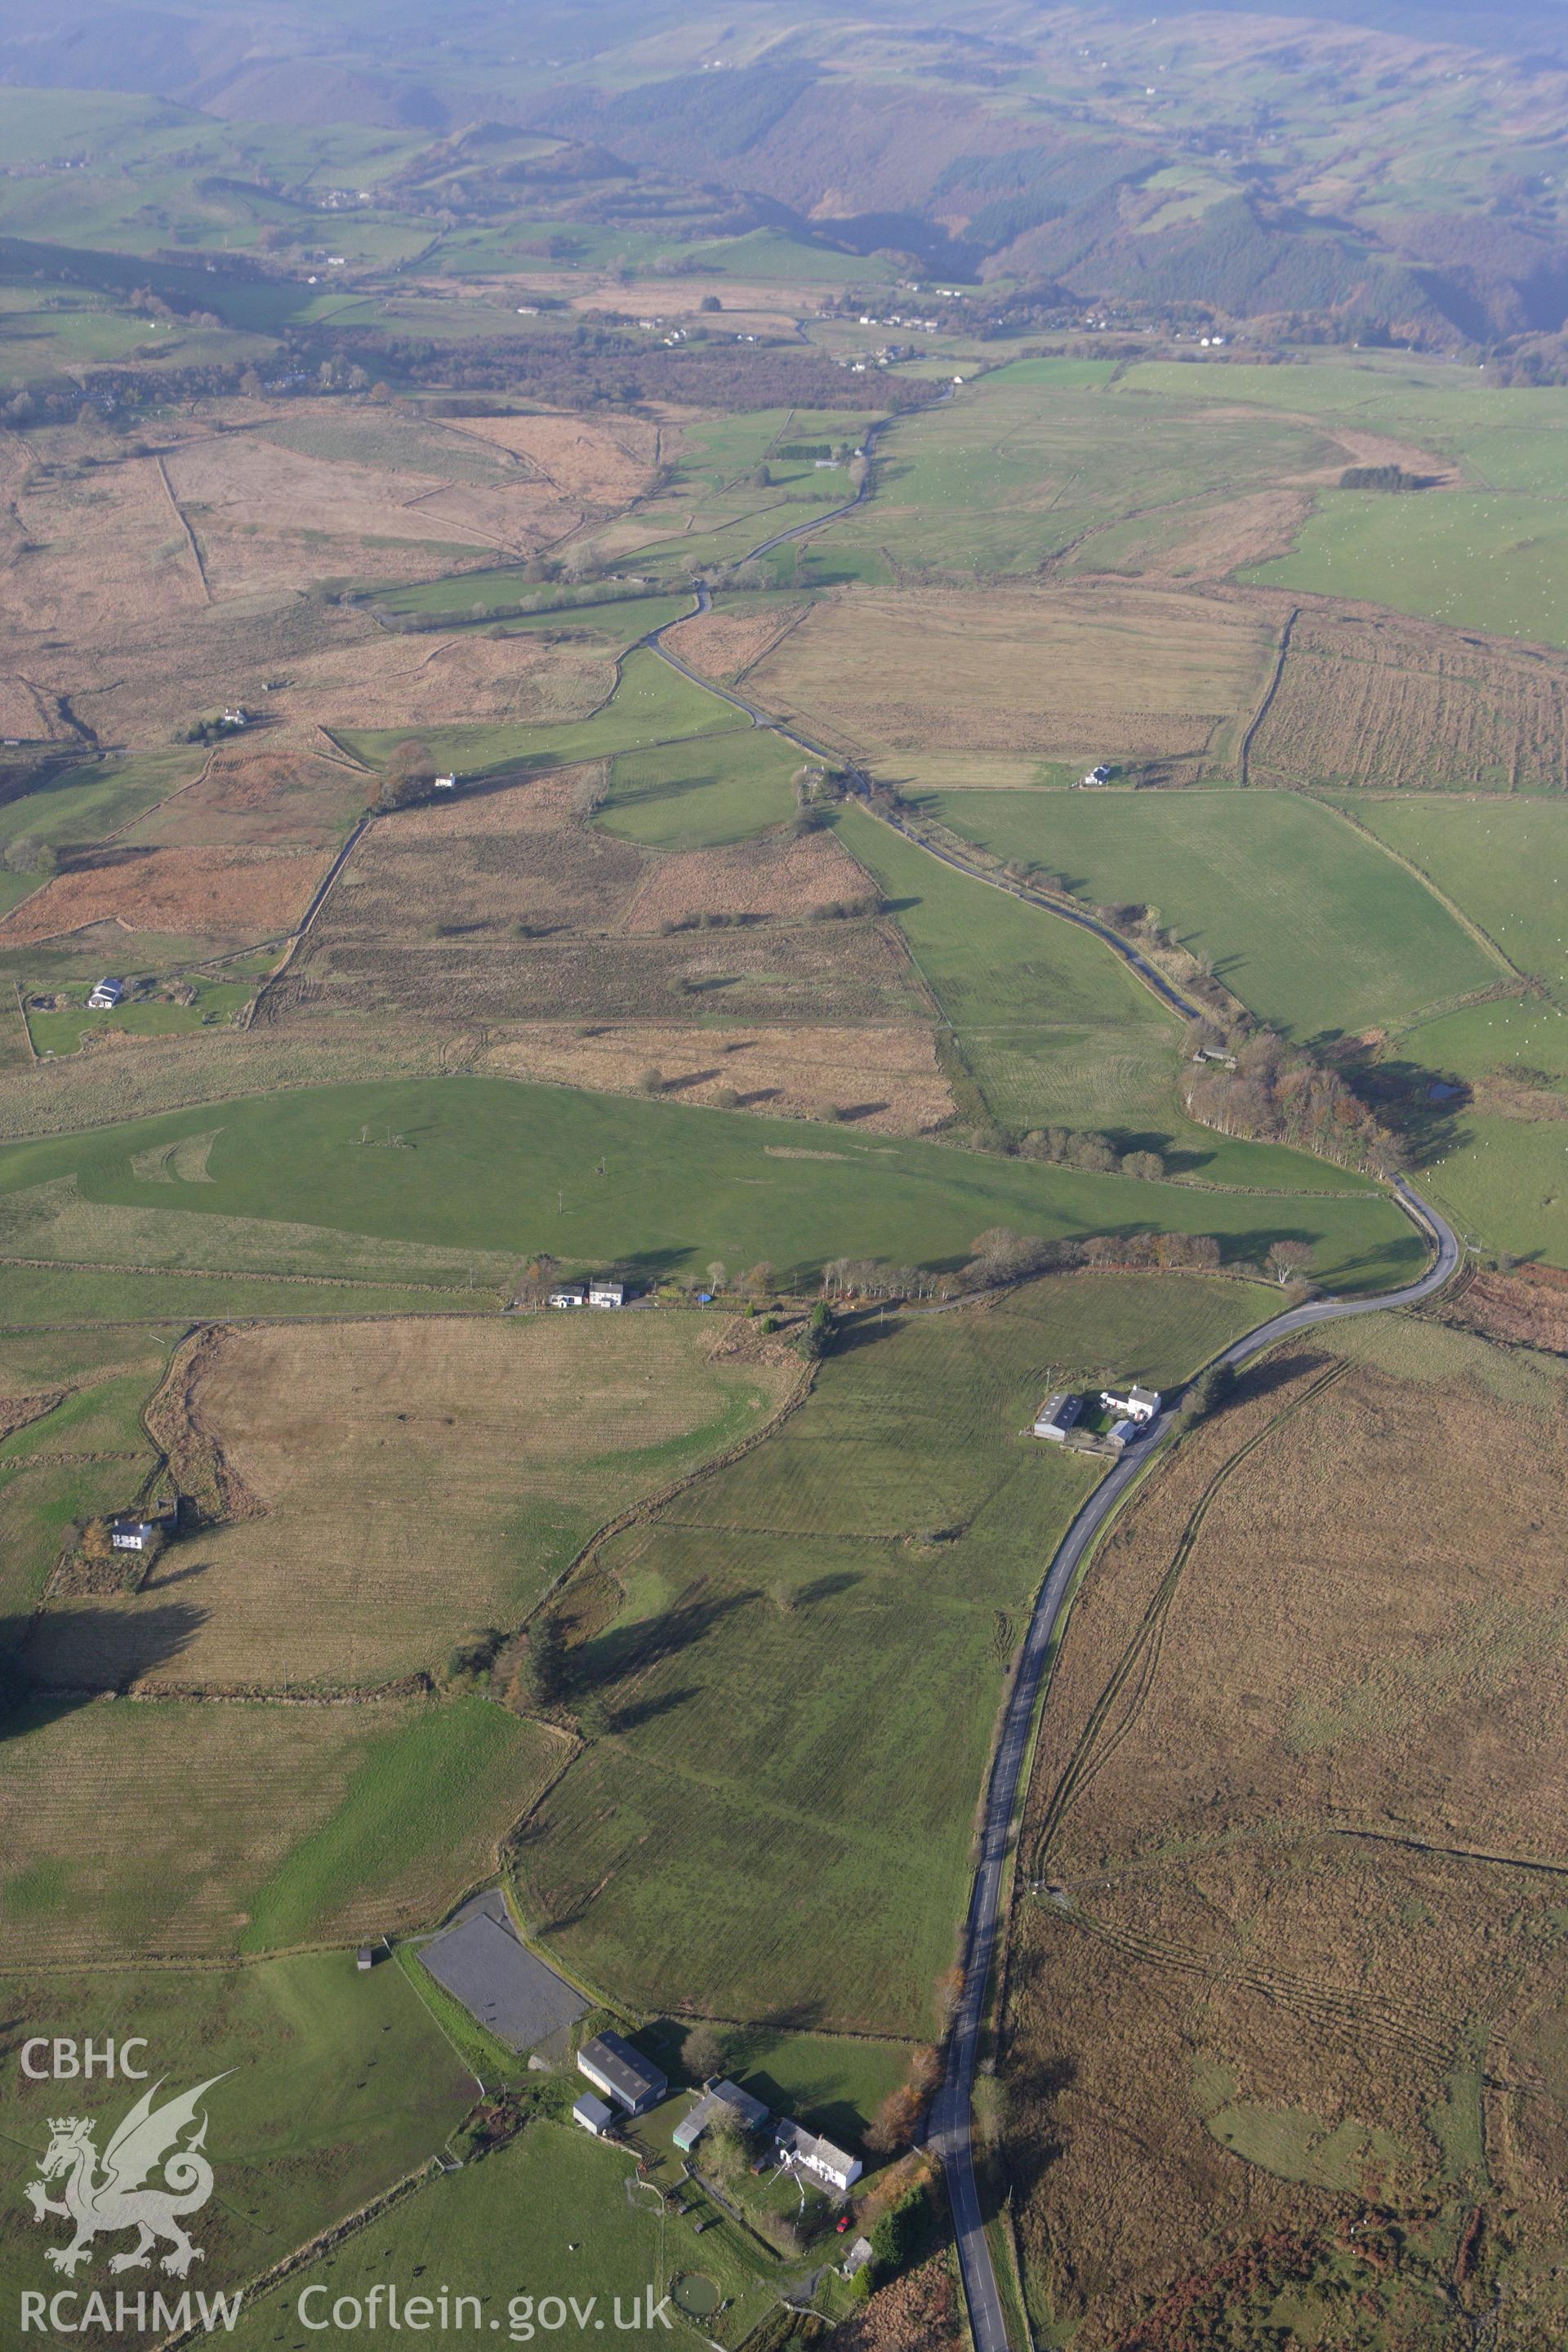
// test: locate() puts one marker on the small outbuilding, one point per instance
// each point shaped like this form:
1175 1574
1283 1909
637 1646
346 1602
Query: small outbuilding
445 783
593 2115
364 1958
569 1293
622 2073
718 2100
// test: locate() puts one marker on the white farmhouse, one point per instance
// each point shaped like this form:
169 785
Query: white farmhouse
1134 1404
820 2157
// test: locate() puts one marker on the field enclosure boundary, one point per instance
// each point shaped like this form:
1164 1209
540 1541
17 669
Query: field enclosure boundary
1270 693
1467 923
190 538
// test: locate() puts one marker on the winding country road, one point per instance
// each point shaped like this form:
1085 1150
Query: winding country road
949 2129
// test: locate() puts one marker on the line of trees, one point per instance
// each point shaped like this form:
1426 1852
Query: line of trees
1091 1152
999 1255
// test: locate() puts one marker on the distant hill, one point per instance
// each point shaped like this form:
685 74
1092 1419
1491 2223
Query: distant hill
1309 165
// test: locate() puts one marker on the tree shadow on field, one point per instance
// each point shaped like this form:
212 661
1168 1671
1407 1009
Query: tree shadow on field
865 1329
804 2015
816 2103
1275 1373
610 1656
176 1576
826 1588
648 1710
1035 2137
53 1663
1400 1092
646 1268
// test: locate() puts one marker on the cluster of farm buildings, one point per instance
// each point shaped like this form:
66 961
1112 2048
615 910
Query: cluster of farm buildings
599 1290
1133 1409
625 2080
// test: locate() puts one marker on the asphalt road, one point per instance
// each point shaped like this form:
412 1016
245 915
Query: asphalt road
758 717
1145 970
948 2133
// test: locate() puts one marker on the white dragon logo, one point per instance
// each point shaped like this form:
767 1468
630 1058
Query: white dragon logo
115 2197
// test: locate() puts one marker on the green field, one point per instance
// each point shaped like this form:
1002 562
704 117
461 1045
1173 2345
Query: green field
1503 435
87 1296
699 795
548 2215
484 598
64 1032
340 2085
489 1165
1032 458
1503 862
1505 1185
1475 560
401 1802
84 805
991 959
1491 554
1301 917
651 704
318 1825
802 1658
833 2082
1050 1024
1495 1040
1504 1178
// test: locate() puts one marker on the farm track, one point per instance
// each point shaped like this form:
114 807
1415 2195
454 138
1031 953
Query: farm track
302 929
1151 977
1327 2008
949 2131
